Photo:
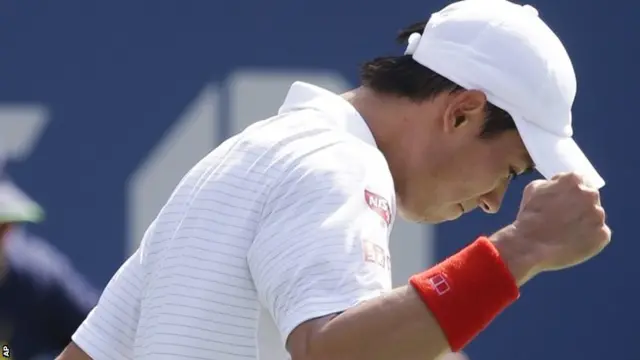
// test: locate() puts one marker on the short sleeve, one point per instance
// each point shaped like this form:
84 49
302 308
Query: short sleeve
109 330
322 244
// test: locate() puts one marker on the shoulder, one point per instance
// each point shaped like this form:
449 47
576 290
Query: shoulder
318 164
304 144
298 154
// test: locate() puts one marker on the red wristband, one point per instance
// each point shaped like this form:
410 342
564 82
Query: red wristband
467 291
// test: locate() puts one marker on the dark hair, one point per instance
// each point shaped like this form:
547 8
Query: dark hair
403 76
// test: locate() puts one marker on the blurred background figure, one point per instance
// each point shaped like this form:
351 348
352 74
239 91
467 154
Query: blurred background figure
42 297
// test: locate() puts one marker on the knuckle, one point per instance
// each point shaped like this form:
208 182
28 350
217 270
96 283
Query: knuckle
600 214
607 233
604 236
570 178
591 194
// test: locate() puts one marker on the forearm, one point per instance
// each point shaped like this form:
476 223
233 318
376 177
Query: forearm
396 325
407 324
73 352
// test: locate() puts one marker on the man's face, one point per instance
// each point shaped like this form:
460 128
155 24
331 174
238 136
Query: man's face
448 169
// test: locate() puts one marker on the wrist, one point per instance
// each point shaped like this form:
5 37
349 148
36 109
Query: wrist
466 291
516 254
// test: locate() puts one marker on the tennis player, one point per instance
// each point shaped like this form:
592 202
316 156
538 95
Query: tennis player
294 213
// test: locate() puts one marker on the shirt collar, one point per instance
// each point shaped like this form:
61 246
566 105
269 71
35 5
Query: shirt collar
341 113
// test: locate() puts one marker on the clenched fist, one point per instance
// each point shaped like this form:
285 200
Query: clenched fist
561 223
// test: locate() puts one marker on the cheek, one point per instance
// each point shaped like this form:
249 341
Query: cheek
410 164
473 176
414 180
488 179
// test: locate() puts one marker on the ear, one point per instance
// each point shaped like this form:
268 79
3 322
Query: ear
466 110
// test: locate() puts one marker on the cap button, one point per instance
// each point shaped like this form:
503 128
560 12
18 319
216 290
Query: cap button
530 9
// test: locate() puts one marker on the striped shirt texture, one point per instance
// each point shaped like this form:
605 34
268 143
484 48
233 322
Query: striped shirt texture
293 215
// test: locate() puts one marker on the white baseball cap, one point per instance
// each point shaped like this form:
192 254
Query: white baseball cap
509 53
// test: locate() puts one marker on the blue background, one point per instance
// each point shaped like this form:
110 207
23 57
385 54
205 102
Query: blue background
115 75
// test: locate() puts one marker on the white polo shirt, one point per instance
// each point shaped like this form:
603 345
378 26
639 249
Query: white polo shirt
293 214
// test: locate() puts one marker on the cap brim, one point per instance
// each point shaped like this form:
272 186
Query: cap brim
553 154
16 206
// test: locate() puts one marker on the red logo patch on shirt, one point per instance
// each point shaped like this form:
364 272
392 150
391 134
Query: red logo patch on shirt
379 205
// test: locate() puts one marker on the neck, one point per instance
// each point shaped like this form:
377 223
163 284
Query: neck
382 113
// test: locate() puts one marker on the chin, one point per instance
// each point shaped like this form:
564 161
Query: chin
454 216
410 216
440 218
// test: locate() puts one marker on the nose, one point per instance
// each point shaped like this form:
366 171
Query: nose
491 201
